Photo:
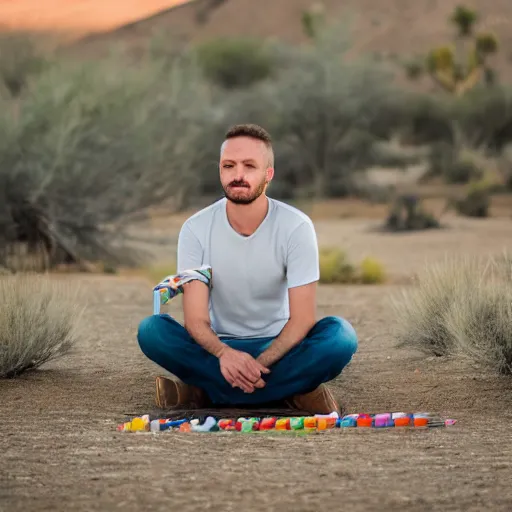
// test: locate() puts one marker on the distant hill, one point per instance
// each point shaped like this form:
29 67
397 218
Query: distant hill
389 28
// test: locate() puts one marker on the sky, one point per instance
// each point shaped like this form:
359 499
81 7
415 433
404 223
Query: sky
76 17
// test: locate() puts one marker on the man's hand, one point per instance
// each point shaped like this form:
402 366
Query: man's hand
242 370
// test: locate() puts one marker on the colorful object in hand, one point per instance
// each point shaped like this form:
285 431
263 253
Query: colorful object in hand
316 423
171 286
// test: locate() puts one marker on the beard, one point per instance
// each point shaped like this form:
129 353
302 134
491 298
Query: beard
243 194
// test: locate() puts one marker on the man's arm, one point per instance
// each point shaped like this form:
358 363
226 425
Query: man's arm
196 294
197 317
238 368
302 273
302 319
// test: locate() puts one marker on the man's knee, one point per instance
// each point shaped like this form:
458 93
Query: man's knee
156 331
148 333
340 340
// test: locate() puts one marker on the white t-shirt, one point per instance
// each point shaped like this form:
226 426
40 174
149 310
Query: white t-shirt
250 274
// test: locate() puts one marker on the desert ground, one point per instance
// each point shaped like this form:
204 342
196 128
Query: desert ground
60 449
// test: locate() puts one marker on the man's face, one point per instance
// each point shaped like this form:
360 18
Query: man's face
244 169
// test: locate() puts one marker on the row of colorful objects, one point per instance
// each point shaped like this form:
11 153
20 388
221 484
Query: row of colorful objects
301 423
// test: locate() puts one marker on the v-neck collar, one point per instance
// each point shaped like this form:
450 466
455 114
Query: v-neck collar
243 237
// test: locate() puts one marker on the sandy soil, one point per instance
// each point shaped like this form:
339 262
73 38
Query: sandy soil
60 451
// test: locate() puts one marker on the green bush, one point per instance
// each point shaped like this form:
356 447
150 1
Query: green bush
93 145
477 200
484 117
21 59
425 119
372 271
480 118
335 267
235 63
456 165
463 170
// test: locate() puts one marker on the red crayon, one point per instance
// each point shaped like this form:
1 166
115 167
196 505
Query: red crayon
227 424
364 420
268 423
402 422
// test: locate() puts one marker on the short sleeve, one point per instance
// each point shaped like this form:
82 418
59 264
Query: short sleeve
190 252
302 265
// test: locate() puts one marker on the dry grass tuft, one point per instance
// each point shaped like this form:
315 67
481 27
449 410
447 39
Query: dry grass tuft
461 307
38 319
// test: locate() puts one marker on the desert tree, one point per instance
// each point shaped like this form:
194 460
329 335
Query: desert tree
459 67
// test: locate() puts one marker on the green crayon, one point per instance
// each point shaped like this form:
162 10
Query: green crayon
297 423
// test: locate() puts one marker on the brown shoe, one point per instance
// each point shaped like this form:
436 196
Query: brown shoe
318 401
173 394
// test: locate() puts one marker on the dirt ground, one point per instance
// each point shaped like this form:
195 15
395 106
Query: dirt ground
60 450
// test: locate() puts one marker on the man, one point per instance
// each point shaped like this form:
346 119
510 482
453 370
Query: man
252 336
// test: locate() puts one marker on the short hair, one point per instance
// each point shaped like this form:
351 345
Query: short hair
254 132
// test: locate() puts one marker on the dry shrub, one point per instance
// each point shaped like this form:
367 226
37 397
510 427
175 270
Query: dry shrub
39 319
372 271
335 267
461 307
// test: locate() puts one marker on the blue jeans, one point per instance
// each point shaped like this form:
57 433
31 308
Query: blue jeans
320 357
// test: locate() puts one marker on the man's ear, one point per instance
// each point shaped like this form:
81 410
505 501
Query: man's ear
270 174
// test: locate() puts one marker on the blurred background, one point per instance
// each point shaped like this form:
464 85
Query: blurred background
112 113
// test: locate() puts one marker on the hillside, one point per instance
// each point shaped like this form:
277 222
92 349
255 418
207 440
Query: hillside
74 19
389 28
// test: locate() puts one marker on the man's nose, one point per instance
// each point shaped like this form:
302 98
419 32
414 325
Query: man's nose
239 171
